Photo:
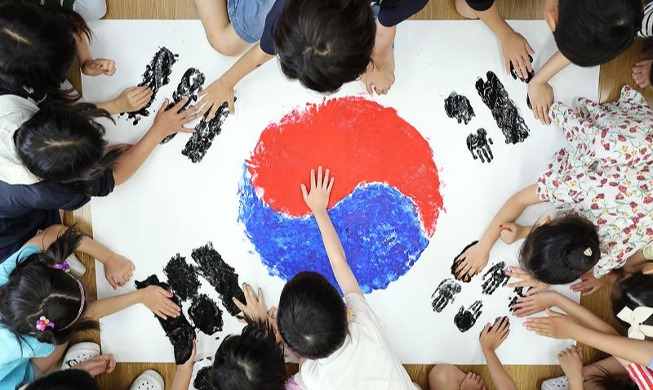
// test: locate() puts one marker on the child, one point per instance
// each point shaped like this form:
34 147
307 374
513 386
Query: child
323 44
588 33
42 306
56 158
448 377
604 177
516 49
38 45
341 345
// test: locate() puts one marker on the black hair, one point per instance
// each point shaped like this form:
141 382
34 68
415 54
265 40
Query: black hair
608 381
312 317
632 290
561 251
35 288
37 45
71 379
325 44
593 32
62 143
250 361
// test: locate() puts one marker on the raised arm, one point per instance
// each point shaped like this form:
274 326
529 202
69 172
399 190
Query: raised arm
540 92
317 200
491 338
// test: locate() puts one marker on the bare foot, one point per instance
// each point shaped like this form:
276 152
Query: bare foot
642 73
472 382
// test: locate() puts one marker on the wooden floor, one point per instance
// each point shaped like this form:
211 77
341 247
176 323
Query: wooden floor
613 76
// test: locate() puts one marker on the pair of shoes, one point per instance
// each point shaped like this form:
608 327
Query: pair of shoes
559 383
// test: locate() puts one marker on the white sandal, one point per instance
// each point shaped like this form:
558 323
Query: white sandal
78 353
559 383
148 380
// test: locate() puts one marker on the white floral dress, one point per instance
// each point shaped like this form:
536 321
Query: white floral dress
605 173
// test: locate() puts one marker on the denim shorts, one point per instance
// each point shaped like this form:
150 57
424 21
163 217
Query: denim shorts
248 17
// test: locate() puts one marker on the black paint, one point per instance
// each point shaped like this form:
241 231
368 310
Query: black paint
531 73
201 140
494 278
479 146
518 293
206 315
220 275
445 294
178 330
504 111
190 85
157 74
204 380
466 318
182 277
465 278
459 108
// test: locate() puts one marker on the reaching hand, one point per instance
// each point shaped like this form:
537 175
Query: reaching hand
589 284
470 262
132 99
571 362
118 270
254 307
534 286
511 232
541 99
494 335
188 365
99 66
517 51
158 300
642 73
98 365
172 121
317 199
535 303
380 75
213 96
472 382
556 325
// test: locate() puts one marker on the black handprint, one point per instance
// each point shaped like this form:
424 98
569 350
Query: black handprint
444 294
518 293
531 73
459 108
465 278
494 278
466 319
479 146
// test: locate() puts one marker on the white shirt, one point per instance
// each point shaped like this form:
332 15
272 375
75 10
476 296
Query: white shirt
14 111
364 362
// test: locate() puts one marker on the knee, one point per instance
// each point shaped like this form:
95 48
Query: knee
465 10
224 44
442 375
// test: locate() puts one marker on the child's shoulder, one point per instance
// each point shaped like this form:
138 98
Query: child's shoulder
15 348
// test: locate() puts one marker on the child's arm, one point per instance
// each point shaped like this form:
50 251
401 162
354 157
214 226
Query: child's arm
540 91
89 65
166 122
155 298
222 89
476 257
130 100
491 338
317 200
184 373
380 74
571 362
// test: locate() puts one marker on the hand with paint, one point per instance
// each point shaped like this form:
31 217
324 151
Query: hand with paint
157 299
571 362
470 261
536 303
172 121
317 199
254 307
589 284
131 100
534 286
184 372
493 335
118 270
556 325
512 232
517 53
99 66
540 96
215 95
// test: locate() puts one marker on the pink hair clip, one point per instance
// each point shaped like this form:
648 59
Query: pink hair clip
43 323
64 266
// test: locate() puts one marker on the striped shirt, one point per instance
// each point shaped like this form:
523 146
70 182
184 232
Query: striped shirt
647 22
642 376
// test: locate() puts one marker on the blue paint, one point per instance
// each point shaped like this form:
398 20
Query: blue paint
379 228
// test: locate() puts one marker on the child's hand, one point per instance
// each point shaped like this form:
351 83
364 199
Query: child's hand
118 270
132 99
318 197
380 75
494 335
171 121
213 96
512 232
535 303
534 286
516 50
272 320
98 365
471 262
254 307
158 300
556 325
187 367
589 284
99 66
541 98
571 362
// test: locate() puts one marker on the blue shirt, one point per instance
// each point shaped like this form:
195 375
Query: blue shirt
15 367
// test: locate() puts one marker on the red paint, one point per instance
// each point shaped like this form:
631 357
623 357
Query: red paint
360 141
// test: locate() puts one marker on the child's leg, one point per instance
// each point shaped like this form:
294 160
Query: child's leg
445 377
465 10
91 9
219 31
46 364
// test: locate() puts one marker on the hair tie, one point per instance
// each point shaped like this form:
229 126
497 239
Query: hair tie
588 252
43 323
64 266
635 318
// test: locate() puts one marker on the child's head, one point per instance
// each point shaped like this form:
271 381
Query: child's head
44 301
65 380
632 290
250 361
37 45
560 251
325 44
592 32
312 316
62 143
